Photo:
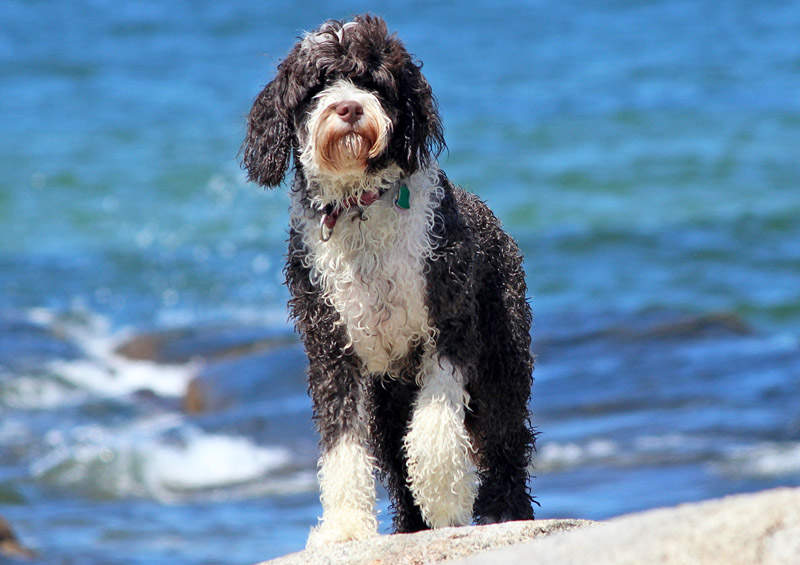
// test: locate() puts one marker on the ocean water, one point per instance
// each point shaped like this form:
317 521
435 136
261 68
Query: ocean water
646 156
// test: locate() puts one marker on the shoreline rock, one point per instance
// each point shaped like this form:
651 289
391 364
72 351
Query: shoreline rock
430 546
747 529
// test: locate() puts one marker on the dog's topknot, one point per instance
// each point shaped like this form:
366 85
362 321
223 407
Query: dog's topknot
363 52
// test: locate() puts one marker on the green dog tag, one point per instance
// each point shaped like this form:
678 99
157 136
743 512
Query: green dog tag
403 199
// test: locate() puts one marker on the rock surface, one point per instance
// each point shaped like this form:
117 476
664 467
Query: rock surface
10 545
232 381
752 529
430 546
201 343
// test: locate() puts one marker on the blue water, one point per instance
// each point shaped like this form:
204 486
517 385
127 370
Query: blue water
645 155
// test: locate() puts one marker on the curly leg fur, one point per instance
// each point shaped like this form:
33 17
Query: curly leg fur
347 485
347 493
393 400
500 417
439 452
477 297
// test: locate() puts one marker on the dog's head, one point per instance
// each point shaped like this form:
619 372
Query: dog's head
350 101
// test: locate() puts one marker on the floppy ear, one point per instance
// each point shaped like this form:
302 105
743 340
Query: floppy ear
420 137
270 127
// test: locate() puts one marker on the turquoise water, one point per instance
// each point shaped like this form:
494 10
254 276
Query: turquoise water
645 156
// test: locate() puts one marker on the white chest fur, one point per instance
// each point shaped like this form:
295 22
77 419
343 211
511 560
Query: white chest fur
372 271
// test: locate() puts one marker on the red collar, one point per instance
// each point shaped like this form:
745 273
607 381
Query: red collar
330 214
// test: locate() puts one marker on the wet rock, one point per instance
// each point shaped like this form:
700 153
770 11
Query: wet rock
202 343
196 399
275 373
10 545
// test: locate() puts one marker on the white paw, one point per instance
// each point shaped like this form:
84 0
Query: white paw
342 528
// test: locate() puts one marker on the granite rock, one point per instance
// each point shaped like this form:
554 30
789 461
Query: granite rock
431 546
750 529
753 529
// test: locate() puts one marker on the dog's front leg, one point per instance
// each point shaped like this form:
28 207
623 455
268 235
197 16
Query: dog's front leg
338 394
346 479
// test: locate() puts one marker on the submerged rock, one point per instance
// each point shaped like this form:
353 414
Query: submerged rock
201 343
719 324
275 373
10 545
643 328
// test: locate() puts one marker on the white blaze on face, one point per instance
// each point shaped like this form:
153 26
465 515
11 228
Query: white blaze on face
334 148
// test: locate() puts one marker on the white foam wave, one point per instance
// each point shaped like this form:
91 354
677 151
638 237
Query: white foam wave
763 460
208 461
159 458
646 449
553 455
102 371
27 393
673 443
114 376
759 460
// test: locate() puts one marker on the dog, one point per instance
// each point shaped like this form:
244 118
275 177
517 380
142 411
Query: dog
408 295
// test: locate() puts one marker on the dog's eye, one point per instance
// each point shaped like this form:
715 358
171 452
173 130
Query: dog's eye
311 93
306 103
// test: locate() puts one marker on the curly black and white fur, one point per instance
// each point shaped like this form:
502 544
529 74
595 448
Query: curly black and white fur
409 296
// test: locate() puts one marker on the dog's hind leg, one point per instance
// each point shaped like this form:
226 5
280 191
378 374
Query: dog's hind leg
499 421
439 453
506 442
393 401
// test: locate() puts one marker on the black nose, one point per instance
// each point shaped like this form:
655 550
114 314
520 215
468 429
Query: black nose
350 111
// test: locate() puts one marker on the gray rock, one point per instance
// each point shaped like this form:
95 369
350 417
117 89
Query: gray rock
754 529
431 546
